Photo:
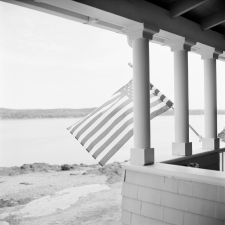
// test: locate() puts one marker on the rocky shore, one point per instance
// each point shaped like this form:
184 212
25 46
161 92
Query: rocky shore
70 194
112 171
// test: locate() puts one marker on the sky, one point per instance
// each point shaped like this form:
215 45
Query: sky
51 62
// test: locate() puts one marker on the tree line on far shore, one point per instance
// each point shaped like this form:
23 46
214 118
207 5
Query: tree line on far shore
67 113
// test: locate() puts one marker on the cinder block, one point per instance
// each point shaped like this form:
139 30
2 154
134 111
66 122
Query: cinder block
126 217
149 195
131 205
190 218
173 216
152 211
203 220
175 201
195 205
142 220
130 190
208 208
185 187
205 191
171 185
146 180
221 194
220 211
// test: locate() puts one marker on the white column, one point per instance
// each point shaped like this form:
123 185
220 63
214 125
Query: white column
141 93
210 98
138 38
181 146
210 141
181 96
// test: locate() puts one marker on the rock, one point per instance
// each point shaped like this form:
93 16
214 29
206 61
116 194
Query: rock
65 167
6 203
84 173
44 167
26 183
26 167
4 223
39 167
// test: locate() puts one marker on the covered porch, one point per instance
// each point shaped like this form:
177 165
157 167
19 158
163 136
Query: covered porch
162 189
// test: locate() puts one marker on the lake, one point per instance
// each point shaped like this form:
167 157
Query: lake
47 140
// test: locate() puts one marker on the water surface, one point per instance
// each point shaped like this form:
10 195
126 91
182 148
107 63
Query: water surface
47 140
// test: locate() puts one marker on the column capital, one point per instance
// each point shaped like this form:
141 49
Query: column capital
213 54
207 52
180 44
142 30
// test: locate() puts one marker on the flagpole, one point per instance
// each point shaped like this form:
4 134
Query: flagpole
199 136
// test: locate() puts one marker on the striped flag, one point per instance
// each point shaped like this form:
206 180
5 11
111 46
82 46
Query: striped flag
104 131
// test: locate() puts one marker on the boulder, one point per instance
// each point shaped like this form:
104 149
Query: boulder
66 167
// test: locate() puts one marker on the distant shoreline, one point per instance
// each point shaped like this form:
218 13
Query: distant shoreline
43 113
67 113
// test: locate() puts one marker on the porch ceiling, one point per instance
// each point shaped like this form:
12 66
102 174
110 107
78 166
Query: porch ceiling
200 21
210 14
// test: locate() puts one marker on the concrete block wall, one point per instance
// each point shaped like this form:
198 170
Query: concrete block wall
152 199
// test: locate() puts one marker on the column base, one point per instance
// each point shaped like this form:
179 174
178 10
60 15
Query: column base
183 149
211 143
142 157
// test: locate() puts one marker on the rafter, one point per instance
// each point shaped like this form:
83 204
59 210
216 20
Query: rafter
182 6
213 20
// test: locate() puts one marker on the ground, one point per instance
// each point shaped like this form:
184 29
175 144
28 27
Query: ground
53 195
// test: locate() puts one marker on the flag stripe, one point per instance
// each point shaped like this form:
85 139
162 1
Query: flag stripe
105 122
151 95
110 124
107 136
101 116
115 98
116 148
159 111
112 138
109 128
114 142
96 115
97 124
155 103
154 99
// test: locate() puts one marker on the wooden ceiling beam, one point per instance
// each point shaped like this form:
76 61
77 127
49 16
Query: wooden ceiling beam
213 20
182 6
